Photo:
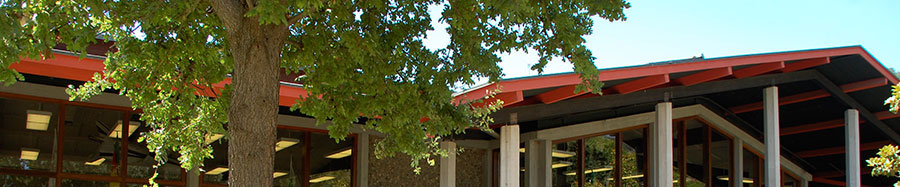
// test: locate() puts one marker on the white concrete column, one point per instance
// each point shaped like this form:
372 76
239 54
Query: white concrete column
804 183
193 178
661 146
538 157
737 152
448 165
362 160
852 145
509 156
773 142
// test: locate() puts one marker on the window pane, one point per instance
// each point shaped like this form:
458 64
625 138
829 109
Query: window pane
720 158
73 182
289 160
92 144
751 169
141 160
28 131
600 158
566 153
634 158
694 153
15 180
329 162
215 168
788 181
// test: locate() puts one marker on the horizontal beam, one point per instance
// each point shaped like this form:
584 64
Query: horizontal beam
508 98
811 95
840 150
831 182
758 69
641 84
704 76
808 63
833 174
817 126
558 94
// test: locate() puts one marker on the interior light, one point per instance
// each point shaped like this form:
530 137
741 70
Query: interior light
590 171
562 154
560 164
213 138
556 153
96 162
285 143
218 170
629 177
278 174
29 154
726 178
340 154
117 132
320 179
37 120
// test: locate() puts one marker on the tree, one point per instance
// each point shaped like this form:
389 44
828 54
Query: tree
363 62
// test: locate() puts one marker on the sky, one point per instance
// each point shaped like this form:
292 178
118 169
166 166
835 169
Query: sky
668 30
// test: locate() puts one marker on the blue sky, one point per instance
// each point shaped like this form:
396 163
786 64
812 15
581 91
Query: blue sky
668 30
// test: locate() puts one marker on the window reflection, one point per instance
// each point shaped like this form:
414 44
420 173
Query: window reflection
634 158
92 140
141 160
600 160
565 175
330 162
28 134
289 159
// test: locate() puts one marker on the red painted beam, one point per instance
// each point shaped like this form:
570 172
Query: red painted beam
758 69
831 182
808 63
641 84
508 98
833 174
558 94
830 124
806 96
704 76
840 150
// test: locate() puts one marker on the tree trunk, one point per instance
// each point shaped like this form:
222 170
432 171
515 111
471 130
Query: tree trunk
254 102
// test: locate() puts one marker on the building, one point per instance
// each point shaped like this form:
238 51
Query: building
795 118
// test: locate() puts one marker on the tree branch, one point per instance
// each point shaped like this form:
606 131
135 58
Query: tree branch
229 11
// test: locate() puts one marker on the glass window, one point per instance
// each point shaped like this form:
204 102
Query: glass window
694 151
289 159
600 160
28 134
92 140
73 182
215 169
752 169
787 180
566 153
720 158
141 160
330 162
16 180
634 158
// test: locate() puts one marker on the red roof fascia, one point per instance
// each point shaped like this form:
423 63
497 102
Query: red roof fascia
71 67
643 71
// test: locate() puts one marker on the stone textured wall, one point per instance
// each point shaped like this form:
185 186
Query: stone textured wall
396 171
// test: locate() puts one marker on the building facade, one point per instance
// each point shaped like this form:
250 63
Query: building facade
795 118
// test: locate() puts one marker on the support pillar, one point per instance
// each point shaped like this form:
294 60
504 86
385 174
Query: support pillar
852 145
539 167
448 165
661 144
362 160
773 142
737 151
509 156
193 178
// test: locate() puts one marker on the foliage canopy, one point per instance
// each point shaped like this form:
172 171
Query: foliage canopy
360 59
